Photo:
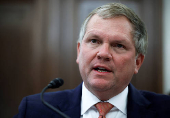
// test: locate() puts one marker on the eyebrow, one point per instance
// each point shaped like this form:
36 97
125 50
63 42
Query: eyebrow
90 34
97 35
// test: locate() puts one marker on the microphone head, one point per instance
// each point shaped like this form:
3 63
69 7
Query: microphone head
57 82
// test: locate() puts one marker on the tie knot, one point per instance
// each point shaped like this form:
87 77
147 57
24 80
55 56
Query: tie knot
103 108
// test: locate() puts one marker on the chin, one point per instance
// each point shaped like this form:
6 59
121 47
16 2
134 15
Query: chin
101 85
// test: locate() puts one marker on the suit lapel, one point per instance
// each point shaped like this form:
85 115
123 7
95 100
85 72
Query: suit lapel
71 106
138 106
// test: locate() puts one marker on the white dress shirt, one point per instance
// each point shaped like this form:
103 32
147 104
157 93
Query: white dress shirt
88 100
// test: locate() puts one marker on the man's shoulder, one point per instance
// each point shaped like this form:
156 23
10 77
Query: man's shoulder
148 103
57 95
142 97
50 95
156 97
152 95
66 100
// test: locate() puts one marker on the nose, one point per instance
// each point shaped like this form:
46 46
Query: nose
104 53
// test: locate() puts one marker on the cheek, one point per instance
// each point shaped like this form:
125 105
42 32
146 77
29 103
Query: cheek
126 64
83 59
124 71
87 55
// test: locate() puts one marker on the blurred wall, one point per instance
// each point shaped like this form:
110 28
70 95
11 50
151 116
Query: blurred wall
38 44
166 46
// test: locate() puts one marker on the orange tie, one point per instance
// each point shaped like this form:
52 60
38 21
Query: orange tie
103 108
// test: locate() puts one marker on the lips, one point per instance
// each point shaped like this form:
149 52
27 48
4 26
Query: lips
101 68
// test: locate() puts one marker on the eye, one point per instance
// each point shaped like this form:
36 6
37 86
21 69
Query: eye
94 41
119 46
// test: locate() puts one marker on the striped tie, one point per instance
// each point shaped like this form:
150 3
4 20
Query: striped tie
103 108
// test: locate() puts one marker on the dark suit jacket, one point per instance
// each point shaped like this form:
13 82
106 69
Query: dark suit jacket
141 104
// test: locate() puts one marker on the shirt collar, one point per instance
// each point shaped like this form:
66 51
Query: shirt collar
89 100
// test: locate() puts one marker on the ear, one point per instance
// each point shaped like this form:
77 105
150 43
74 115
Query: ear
78 52
139 61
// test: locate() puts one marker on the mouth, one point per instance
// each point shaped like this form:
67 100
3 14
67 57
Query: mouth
101 69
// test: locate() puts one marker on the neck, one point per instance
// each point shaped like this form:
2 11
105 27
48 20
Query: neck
106 94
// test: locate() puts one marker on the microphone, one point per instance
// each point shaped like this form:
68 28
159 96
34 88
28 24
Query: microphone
56 83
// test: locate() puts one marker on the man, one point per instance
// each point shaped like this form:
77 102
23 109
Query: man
111 48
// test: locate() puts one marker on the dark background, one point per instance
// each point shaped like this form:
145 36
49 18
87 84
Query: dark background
38 43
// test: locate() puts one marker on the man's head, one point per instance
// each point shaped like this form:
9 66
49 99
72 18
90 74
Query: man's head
108 54
116 9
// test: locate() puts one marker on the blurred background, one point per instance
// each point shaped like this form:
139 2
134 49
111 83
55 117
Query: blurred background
38 43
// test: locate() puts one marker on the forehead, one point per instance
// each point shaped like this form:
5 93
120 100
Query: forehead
116 26
122 21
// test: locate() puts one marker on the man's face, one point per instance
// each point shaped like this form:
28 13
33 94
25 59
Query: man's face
106 55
